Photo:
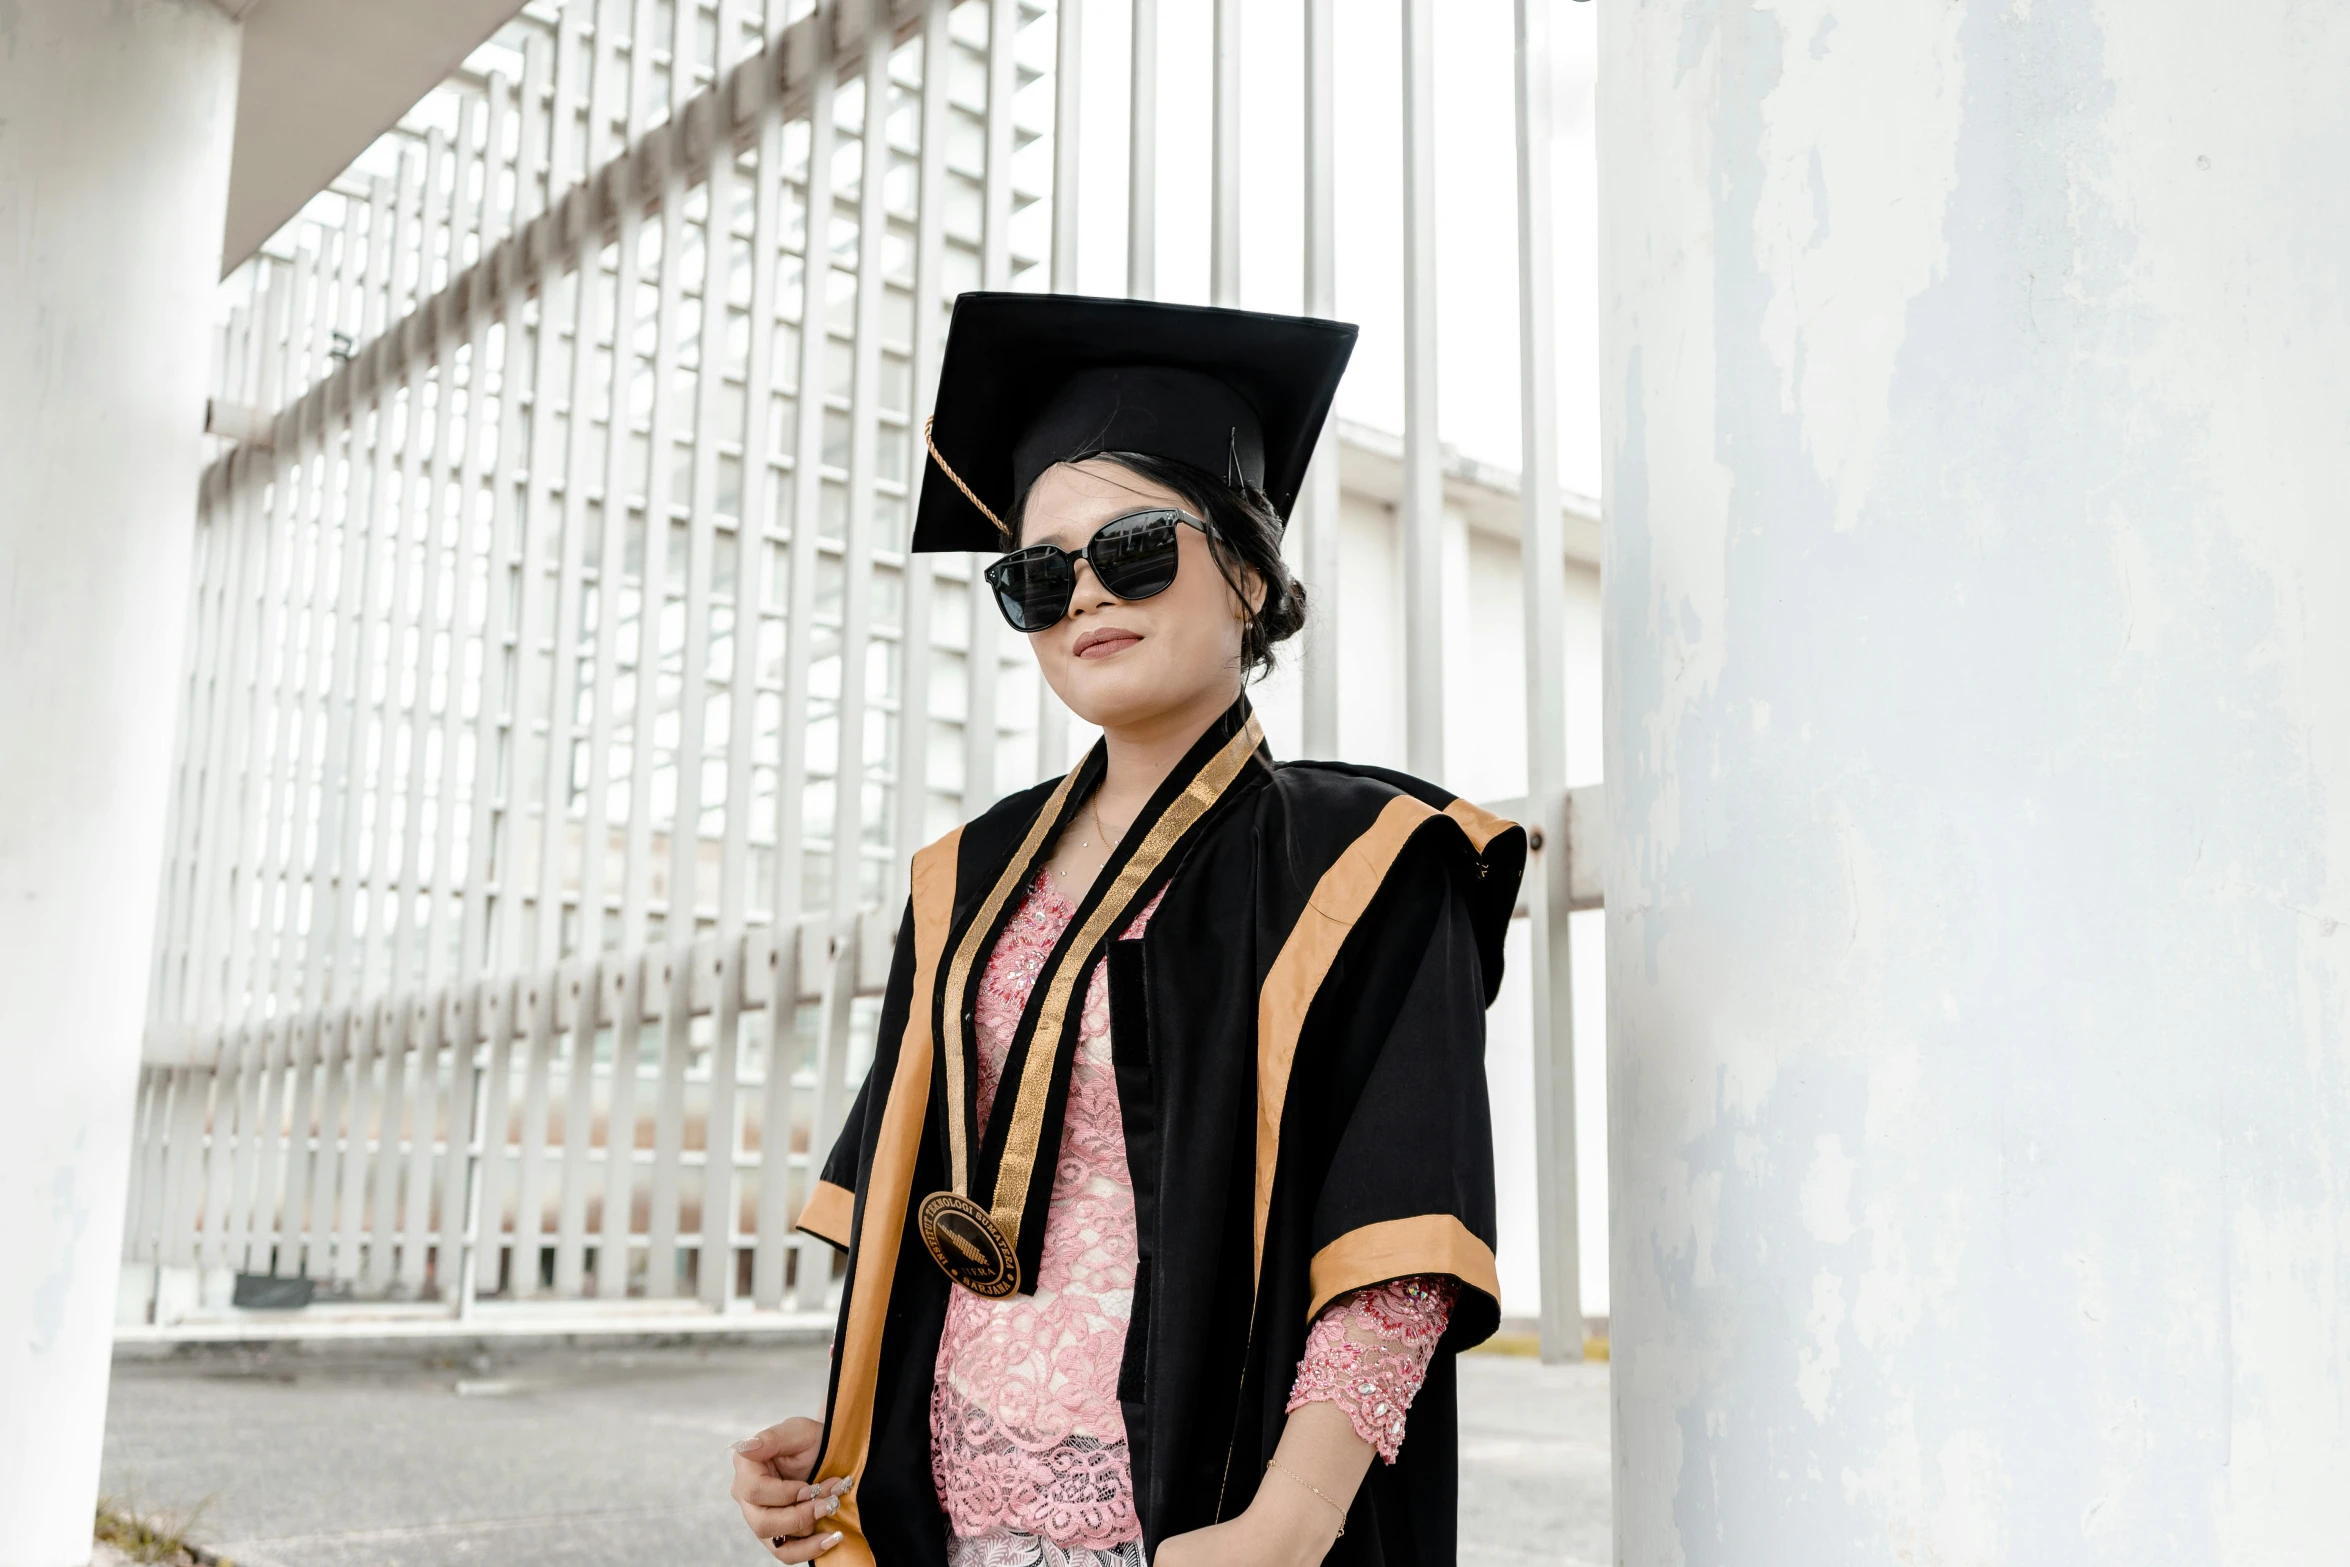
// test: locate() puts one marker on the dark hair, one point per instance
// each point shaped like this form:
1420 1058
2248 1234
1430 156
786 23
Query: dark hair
1244 533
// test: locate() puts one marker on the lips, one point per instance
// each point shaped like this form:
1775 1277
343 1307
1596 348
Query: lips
1102 641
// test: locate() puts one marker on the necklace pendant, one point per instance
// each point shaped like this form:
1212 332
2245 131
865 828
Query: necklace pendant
963 1240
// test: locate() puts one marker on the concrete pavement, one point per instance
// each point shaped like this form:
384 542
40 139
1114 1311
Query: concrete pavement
616 1457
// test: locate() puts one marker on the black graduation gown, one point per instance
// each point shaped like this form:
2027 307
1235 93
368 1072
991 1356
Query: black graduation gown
1299 1044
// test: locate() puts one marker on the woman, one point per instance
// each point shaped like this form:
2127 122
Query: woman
1169 1196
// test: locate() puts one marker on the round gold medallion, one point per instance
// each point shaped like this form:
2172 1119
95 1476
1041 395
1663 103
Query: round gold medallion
967 1246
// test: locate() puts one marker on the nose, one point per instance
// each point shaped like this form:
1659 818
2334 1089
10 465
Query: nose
1086 590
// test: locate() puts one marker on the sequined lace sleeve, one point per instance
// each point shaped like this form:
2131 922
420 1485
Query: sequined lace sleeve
1369 1351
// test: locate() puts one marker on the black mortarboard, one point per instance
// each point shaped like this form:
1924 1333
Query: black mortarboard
1029 380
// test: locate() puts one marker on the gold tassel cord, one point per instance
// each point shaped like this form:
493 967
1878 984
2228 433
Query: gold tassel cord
958 478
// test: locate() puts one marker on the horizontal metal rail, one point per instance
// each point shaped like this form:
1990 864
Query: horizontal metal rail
485 1137
477 1138
777 82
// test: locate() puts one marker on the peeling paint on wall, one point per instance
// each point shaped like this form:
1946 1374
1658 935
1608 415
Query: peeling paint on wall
1977 648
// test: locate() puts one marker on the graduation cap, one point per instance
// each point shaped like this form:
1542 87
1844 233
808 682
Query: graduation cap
1030 380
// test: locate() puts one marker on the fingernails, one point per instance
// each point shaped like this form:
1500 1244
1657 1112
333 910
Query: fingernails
831 1506
807 1494
746 1444
830 1541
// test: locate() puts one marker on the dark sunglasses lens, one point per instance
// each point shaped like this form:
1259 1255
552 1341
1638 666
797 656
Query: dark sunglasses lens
1135 556
1032 589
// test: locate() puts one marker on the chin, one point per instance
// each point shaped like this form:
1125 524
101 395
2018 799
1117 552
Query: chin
1110 697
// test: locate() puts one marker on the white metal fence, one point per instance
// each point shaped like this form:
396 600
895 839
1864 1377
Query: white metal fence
510 560
510 656
554 644
472 1140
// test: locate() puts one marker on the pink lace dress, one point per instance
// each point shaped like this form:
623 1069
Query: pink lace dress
1028 1444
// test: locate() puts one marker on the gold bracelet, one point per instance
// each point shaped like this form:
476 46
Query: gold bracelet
1317 1490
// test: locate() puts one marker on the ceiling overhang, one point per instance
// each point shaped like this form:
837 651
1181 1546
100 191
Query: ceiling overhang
323 78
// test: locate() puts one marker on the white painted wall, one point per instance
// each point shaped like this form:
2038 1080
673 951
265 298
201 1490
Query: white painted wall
1977 627
1484 656
114 151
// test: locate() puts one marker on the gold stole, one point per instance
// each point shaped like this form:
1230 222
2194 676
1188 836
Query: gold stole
978 1245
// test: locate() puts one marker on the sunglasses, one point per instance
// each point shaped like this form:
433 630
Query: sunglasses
1133 557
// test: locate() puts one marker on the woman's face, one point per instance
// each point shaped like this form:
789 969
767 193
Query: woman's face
1121 664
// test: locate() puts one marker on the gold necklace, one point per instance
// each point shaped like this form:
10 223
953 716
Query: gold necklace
1093 808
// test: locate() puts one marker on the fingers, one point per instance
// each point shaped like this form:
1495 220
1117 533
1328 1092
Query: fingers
803 1550
756 1484
790 1445
752 1475
792 1520
760 1488
772 1472
787 1516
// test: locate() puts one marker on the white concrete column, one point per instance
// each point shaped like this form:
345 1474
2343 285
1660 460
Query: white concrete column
115 123
1977 607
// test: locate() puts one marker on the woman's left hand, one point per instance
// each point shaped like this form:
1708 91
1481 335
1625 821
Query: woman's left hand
1270 1533
1300 1506
772 1475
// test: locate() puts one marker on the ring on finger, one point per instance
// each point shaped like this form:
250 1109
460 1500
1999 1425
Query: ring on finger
825 1508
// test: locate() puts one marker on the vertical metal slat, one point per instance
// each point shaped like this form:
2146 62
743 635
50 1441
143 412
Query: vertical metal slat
1542 554
395 1053
506 1014
543 994
337 972
578 1128
677 922
1142 155
428 1110
331 1040
1317 518
403 769
1224 158
789 899
471 541
359 1108
715 1270
1422 513
303 1156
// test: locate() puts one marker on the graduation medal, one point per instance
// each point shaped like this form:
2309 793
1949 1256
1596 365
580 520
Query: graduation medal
992 1217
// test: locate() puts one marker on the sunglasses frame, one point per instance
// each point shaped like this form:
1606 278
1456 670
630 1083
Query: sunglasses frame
1070 558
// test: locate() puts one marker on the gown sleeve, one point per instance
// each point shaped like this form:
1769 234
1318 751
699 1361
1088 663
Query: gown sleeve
831 1209
1369 1351
830 1213
1408 1192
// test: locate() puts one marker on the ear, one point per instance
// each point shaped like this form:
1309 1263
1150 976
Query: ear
1252 592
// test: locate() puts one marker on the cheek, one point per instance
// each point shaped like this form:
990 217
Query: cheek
1202 598
1206 635
1054 655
